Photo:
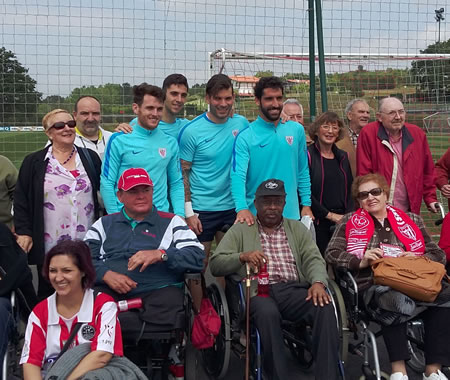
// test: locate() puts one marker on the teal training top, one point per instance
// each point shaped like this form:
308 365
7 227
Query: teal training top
208 146
263 151
152 150
171 129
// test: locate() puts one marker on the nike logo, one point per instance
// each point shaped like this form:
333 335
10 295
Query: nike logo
263 145
137 152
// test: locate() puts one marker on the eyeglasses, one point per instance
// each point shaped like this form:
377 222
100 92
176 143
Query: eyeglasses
392 114
61 124
333 128
365 194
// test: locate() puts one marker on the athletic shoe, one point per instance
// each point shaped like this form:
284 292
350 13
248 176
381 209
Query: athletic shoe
435 376
398 376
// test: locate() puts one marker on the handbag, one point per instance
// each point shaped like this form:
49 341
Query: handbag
206 326
416 276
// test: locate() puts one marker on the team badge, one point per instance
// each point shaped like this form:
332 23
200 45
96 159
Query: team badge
88 332
235 132
271 185
162 152
290 139
407 232
360 221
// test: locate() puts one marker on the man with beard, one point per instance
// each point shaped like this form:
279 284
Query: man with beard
206 144
269 148
148 147
357 112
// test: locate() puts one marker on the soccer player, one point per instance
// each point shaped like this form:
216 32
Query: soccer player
206 145
269 148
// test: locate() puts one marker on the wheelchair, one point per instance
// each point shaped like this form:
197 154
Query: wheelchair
166 351
230 305
354 320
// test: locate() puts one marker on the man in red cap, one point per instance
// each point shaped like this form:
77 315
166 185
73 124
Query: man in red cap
140 250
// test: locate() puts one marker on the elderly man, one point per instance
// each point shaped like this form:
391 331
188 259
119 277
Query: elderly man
297 278
357 112
141 250
146 146
270 148
89 134
399 151
293 110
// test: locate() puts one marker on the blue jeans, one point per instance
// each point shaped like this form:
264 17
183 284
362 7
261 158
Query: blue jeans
6 325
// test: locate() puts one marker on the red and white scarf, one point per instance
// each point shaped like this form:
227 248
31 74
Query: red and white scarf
360 228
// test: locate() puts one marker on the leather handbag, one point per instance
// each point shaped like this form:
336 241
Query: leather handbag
416 276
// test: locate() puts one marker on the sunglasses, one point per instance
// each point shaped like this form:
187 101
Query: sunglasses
364 194
61 124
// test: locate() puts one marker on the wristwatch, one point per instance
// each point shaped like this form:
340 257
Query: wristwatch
164 256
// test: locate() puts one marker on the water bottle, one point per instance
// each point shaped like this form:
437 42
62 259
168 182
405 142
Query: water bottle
133 303
263 282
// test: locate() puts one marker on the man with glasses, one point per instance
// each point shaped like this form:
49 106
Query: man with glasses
399 151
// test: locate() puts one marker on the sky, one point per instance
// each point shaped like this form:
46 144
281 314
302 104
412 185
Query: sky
71 43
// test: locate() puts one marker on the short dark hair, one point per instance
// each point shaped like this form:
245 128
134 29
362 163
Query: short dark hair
75 107
218 82
140 90
327 117
176 79
81 256
267 82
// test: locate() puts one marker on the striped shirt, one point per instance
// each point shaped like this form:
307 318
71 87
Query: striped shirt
281 266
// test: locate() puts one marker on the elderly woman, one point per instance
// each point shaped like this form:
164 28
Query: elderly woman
360 239
331 177
68 267
56 193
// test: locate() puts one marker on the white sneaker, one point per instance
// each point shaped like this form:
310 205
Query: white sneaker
398 376
435 376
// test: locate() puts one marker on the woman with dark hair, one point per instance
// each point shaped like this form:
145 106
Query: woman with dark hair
331 176
56 194
68 267
378 229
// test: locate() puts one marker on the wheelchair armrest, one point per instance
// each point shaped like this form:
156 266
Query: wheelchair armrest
192 276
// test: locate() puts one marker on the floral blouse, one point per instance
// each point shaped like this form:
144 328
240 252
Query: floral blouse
68 202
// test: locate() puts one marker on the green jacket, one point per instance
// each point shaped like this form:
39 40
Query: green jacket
243 238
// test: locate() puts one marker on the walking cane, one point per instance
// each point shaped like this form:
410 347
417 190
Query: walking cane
247 322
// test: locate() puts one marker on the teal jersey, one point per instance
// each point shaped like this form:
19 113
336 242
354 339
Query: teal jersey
171 129
263 151
208 146
152 150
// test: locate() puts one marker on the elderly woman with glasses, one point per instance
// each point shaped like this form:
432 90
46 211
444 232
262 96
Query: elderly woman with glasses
331 176
378 229
56 194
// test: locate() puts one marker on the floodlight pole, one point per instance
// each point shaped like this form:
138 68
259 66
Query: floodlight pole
439 17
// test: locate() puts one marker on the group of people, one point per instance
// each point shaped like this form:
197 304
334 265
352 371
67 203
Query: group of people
150 199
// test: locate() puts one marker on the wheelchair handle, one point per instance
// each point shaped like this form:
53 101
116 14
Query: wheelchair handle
442 212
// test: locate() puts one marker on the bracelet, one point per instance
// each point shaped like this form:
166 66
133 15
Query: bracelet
188 211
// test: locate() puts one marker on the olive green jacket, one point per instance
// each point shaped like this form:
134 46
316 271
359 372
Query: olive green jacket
243 238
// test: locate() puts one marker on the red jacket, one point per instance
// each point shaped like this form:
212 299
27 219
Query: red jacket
374 154
444 241
442 171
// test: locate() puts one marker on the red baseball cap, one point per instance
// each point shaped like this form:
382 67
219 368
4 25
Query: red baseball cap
134 177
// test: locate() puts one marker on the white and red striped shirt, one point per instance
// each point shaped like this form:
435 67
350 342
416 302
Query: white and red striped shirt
47 331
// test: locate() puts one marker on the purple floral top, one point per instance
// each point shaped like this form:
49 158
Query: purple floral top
68 202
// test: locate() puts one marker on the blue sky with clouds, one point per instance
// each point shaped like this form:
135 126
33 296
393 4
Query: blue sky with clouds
70 43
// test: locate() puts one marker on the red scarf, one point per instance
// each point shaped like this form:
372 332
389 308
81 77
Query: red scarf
360 228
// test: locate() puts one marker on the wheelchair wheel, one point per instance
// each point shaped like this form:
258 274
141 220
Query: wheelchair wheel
298 340
190 362
341 316
217 358
415 332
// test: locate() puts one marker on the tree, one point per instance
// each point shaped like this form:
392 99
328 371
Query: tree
262 74
18 96
433 76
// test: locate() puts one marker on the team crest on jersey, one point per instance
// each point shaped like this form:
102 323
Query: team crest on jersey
162 152
290 139
235 132
88 332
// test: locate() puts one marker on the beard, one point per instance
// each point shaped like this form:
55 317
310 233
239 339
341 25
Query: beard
265 112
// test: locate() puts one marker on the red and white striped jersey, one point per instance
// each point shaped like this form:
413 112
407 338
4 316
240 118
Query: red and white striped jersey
47 332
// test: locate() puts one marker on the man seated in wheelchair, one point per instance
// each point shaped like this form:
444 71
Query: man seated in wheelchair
375 230
297 281
143 252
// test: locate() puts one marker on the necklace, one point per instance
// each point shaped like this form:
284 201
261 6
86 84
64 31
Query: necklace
71 154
